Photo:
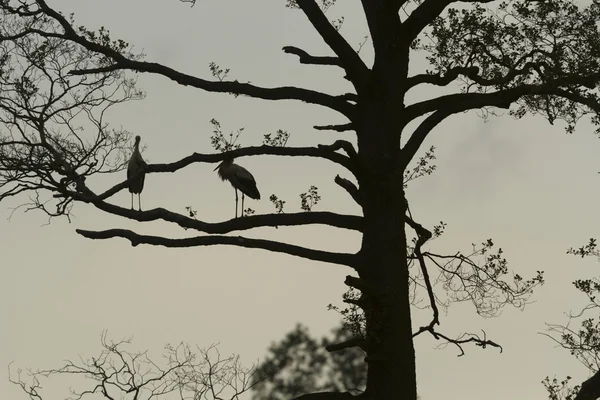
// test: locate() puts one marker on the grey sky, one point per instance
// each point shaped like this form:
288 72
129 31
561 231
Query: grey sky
524 183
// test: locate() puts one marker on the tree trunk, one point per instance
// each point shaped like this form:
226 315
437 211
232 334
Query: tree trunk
384 268
390 354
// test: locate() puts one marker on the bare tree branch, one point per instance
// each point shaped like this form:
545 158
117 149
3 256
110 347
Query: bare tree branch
337 128
122 62
278 247
349 187
306 58
355 68
322 151
238 224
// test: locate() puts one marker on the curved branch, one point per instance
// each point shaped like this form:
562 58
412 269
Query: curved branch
323 151
355 68
447 105
122 62
351 222
458 102
442 80
306 58
278 247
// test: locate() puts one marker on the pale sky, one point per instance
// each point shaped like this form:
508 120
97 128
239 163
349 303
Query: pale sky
526 184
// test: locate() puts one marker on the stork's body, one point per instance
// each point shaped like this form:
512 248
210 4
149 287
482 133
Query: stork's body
135 166
241 179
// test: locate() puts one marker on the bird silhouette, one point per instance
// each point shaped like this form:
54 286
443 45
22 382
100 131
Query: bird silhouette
241 179
135 166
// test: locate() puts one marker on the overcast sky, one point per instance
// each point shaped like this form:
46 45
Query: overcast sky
526 184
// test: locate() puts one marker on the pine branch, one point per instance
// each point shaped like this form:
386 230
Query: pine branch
278 247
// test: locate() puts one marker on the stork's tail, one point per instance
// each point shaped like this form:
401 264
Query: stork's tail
253 193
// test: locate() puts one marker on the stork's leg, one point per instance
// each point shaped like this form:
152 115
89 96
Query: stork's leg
236 202
140 200
243 204
132 201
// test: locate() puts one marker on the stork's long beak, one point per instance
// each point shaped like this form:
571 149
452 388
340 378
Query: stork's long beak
217 167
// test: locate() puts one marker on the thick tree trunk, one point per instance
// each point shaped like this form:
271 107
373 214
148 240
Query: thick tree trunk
390 355
384 268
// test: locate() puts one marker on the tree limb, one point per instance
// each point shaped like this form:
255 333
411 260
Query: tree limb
423 236
341 144
442 80
462 339
350 188
458 102
238 224
354 342
337 128
427 11
306 58
278 247
355 68
122 62
323 151
447 105
326 396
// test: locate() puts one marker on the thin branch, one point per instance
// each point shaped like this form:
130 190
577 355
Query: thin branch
355 68
278 247
306 58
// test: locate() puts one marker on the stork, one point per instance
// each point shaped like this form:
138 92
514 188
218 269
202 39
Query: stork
241 179
136 164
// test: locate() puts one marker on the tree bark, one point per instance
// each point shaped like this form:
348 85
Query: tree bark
383 257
